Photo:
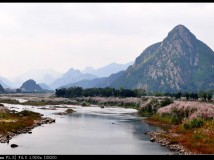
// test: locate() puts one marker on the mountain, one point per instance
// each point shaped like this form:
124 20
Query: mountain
97 82
6 83
30 86
1 89
3 84
107 70
70 76
180 62
44 86
40 75
48 78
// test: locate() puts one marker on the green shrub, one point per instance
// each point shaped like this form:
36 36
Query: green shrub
175 120
198 136
2 115
165 118
29 114
165 102
70 110
177 116
195 123
150 108
85 104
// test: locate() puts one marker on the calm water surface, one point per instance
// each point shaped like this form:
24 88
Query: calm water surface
89 130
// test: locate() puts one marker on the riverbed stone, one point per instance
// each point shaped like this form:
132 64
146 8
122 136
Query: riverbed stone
152 139
13 145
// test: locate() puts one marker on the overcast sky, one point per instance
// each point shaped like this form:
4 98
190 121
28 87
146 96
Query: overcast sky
65 35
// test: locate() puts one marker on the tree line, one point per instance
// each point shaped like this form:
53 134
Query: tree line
204 95
73 92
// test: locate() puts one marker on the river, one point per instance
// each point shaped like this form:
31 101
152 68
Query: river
89 130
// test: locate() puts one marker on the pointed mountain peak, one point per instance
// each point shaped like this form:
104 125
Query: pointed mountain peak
180 29
179 63
72 70
180 32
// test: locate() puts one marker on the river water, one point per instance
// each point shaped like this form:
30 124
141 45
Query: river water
89 130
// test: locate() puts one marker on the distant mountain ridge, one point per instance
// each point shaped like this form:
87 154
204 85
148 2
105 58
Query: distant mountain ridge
107 70
6 83
44 86
1 89
71 76
97 82
180 62
51 79
40 75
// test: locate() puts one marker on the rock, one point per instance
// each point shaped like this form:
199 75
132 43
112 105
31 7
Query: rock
181 151
13 145
8 137
15 132
112 123
29 132
174 147
152 139
173 142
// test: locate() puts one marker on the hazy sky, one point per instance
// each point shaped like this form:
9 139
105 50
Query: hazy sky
65 35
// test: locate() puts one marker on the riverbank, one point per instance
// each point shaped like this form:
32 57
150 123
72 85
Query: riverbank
187 127
51 99
166 138
13 123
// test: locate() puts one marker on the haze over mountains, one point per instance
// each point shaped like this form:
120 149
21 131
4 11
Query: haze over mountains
1 89
49 79
41 76
107 70
180 62
71 76
6 83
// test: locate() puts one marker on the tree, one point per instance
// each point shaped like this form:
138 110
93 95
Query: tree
209 96
187 95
